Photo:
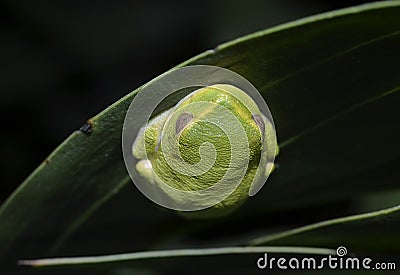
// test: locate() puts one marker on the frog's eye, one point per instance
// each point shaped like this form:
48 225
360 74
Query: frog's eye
260 123
183 121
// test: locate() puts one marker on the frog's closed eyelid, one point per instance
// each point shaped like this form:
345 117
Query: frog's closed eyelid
260 123
182 121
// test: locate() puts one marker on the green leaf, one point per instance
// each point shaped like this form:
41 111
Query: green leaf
331 82
175 253
354 231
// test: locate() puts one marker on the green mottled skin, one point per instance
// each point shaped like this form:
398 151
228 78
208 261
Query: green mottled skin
196 133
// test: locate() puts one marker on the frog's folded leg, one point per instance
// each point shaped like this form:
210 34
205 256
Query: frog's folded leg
149 136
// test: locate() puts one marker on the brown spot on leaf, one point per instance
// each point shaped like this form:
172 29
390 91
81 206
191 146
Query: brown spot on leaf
87 128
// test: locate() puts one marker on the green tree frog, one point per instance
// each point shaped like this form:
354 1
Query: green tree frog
186 127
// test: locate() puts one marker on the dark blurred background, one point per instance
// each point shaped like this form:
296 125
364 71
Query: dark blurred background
62 62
